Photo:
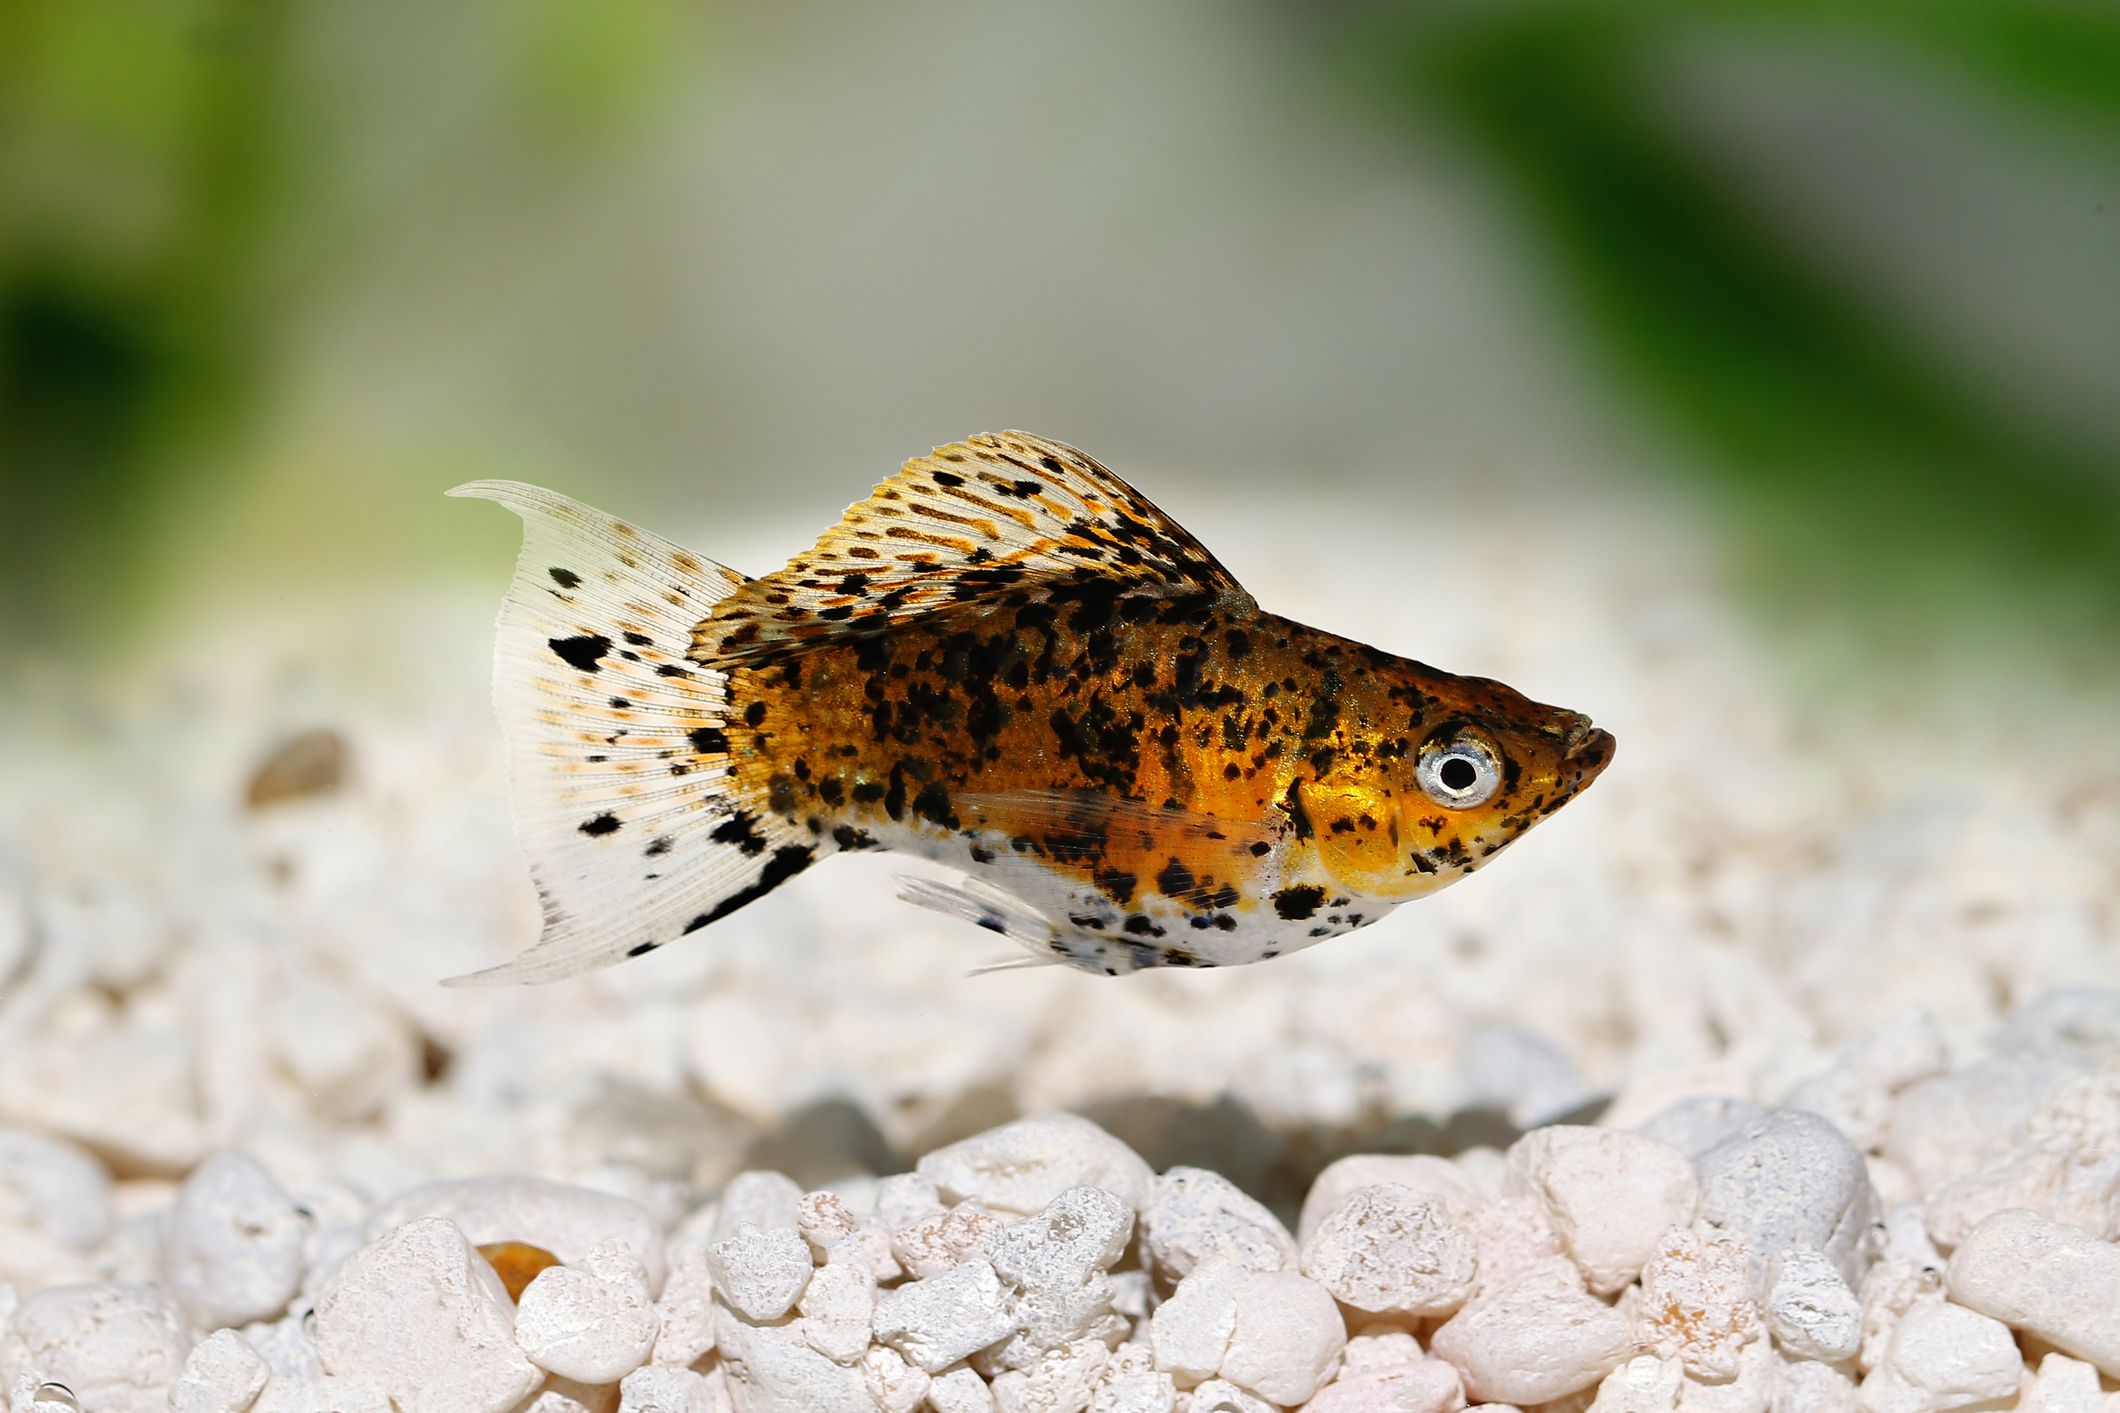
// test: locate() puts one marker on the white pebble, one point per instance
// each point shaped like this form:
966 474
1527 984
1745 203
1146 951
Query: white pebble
1533 1341
2057 1282
1062 1377
772 1370
1807 1386
1791 1179
1698 1123
903 1198
118 1347
1957 1121
959 1391
664 1390
942 1240
838 1310
1286 1339
1647 1383
1520 1072
2064 1385
761 1273
893 1385
1893 1286
233 1250
1414 1386
322 1394
285 1344
1388 1249
760 1198
52 1189
1513 1240
2082 1113
1811 1311
564 1219
1021 1166
1418 1172
567 1396
1222 1396
1608 1194
592 1323
1696 1302
1190 1331
223 1373
835 1232
1054 1263
421 1314
939 1320
2063 1183
1193 1214
1130 1383
1942 1357
684 1312
1750 1390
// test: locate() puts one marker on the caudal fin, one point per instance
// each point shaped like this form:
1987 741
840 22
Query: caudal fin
627 799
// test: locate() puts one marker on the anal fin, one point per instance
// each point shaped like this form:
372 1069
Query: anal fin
984 905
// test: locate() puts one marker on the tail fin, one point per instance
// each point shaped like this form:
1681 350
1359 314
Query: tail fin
627 800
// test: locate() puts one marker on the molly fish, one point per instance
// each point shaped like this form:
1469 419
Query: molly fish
1008 661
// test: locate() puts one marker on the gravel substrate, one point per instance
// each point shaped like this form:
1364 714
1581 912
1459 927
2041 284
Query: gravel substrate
1776 1078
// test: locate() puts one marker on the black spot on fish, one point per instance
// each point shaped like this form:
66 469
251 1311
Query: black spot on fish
638 640
709 740
933 804
601 825
1299 902
754 715
565 578
740 829
580 653
787 861
1114 884
657 847
642 949
1175 880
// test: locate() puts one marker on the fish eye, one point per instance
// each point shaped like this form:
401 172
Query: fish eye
1459 774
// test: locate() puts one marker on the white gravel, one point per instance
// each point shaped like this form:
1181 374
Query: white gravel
1772 1078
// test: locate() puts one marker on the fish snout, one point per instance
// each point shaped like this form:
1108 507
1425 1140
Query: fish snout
1586 747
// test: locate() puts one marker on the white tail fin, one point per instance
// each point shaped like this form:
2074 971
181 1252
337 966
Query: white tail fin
626 798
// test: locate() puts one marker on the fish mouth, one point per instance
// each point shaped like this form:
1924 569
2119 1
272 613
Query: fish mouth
1587 747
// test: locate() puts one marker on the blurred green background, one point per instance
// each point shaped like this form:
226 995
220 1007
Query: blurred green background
1844 278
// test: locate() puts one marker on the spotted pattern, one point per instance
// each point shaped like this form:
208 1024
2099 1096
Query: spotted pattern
1008 661
972 520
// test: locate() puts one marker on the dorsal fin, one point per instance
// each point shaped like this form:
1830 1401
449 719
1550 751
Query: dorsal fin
980 517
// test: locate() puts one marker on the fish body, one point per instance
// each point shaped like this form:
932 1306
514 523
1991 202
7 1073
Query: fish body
1007 661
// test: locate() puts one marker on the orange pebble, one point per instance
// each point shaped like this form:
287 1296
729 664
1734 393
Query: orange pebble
518 1263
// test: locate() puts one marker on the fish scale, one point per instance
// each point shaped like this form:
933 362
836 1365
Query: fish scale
1008 661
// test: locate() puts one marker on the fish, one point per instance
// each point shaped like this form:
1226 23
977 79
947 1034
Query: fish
1008 661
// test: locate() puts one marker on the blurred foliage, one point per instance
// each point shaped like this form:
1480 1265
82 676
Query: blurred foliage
163 201
136 167
1860 466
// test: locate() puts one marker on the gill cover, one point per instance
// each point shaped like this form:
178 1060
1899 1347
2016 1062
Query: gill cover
1357 834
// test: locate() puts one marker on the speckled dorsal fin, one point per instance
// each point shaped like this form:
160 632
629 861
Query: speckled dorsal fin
638 825
1095 823
977 518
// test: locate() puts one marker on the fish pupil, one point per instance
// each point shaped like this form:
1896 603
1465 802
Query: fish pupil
1457 773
